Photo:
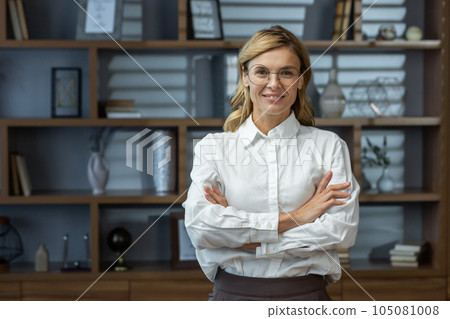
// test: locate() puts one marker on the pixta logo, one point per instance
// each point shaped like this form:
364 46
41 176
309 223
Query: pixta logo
143 141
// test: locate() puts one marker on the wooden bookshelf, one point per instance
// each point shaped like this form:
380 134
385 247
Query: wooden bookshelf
158 281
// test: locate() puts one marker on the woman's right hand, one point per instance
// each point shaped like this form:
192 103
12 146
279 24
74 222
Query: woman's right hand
324 198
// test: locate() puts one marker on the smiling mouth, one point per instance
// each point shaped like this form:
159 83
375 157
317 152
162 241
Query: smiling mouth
273 97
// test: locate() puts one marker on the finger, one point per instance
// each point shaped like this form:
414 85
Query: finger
210 199
324 182
216 197
339 186
341 194
339 202
217 191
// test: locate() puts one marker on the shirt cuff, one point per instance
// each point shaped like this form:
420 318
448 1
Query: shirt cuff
264 228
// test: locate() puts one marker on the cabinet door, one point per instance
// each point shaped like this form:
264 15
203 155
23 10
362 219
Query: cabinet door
170 290
9 291
71 290
335 291
407 289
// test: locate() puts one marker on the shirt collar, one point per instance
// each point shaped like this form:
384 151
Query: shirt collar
286 129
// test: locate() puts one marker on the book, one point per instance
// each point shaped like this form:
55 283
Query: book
403 258
128 103
22 20
405 264
123 115
411 246
346 19
14 174
24 176
14 20
394 252
338 13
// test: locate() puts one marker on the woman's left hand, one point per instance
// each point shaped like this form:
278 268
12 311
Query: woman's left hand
214 196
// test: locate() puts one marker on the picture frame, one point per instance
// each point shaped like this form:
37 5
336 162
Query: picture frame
205 22
183 252
108 14
66 92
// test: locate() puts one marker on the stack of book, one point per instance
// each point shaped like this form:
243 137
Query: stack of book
121 109
344 258
409 254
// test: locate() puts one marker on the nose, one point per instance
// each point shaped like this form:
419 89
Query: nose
274 80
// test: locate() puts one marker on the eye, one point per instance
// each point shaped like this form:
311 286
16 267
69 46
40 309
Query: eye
287 73
261 72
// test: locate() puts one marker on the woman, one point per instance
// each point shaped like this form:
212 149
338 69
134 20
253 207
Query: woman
267 209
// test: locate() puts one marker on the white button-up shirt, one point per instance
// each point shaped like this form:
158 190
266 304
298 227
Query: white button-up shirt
262 176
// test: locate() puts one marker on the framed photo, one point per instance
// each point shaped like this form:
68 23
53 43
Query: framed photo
204 20
183 252
106 13
66 92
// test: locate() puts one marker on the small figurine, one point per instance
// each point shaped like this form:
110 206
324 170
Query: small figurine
386 33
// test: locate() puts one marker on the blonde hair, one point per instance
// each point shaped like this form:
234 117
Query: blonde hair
262 41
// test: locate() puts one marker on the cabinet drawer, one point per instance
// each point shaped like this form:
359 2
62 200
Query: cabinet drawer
9 291
409 289
71 290
170 290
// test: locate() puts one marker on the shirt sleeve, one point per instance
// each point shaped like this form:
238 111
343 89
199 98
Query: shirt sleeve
335 229
214 226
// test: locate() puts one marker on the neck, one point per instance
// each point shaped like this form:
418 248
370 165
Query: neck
267 122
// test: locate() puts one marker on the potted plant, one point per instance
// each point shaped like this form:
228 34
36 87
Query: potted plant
375 156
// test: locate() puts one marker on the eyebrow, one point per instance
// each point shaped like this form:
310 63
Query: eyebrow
283 67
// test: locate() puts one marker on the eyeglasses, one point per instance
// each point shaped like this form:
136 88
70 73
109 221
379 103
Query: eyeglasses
258 74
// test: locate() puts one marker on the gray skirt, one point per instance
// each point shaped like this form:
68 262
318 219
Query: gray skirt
233 288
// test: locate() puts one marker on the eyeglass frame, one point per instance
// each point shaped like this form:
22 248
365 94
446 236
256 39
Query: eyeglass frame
269 73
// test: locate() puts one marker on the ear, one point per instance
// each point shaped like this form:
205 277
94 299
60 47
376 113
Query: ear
245 78
300 83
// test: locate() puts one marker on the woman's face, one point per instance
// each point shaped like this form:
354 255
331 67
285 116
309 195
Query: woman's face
274 98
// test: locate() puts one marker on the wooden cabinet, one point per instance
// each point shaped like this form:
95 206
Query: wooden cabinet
74 204
72 290
10 291
420 288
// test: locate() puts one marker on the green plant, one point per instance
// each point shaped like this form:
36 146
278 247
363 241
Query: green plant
378 156
99 138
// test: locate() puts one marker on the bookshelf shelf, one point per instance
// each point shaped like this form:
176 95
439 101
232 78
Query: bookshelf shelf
157 280
212 44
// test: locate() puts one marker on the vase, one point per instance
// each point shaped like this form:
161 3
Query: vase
98 172
332 100
385 182
41 259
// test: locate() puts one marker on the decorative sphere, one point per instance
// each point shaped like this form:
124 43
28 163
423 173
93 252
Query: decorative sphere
413 34
119 239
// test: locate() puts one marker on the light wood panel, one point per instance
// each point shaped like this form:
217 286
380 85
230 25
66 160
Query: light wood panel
9 291
72 290
410 289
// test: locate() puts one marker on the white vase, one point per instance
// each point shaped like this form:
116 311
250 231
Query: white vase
332 100
41 259
386 183
98 172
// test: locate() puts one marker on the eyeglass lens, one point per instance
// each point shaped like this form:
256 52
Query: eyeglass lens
260 75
